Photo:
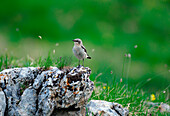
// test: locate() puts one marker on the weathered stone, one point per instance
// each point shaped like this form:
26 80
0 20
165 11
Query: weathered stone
42 76
13 81
36 91
61 90
2 103
27 105
162 107
104 108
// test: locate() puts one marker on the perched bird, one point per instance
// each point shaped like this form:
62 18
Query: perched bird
80 51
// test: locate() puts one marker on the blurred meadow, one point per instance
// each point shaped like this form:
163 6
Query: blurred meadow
109 29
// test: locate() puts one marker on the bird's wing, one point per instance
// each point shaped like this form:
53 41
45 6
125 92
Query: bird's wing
88 57
84 48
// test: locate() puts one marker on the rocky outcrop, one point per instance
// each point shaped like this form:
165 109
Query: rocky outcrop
36 91
63 89
2 102
39 92
104 108
14 82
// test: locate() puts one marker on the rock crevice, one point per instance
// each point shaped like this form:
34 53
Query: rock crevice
35 91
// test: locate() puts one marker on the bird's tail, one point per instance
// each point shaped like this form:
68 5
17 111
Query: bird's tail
88 57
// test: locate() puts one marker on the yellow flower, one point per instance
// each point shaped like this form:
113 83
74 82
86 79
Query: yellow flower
104 87
108 87
152 97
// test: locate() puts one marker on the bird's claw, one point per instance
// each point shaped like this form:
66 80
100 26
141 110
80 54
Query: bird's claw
79 66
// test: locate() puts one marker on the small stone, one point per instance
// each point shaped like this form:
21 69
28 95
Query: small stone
100 107
164 108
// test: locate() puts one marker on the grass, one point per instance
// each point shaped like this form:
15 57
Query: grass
134 99
115 89
7 61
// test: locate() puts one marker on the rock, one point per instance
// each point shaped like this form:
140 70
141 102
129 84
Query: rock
162 107
67 112
42 76
36 91
104 108
64 90
2 103
27 105
13 82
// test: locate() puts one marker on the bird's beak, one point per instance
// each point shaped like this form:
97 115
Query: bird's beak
73 40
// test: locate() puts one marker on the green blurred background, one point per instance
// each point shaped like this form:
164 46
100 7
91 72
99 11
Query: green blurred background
109 29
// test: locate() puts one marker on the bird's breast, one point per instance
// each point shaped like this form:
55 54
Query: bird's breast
78 52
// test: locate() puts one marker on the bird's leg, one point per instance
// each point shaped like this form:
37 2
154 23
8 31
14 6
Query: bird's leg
83 62
79 63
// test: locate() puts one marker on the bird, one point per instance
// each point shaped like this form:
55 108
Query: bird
79 50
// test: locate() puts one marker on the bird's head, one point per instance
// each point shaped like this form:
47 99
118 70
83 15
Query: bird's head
77 41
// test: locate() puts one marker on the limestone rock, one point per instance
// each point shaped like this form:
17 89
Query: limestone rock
2 103
36 91
13 83
104 108
53 92
27 105
64 89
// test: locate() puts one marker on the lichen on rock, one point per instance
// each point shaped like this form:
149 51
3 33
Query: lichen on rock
53 92
2 103
63 90
104 108
36 91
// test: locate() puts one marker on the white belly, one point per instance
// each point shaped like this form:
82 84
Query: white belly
79 52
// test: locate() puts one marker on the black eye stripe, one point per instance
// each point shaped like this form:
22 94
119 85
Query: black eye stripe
77 41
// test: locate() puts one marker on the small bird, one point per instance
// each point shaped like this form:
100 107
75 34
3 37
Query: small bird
80 51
